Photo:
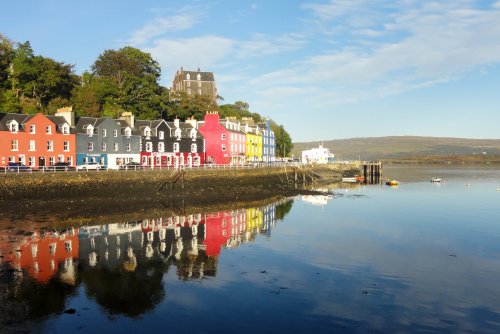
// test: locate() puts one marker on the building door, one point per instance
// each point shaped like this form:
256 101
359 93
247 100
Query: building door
41 162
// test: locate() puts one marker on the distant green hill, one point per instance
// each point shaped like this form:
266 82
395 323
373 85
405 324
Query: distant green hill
402 147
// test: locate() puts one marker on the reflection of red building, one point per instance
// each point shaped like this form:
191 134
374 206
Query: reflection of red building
217 231
41 256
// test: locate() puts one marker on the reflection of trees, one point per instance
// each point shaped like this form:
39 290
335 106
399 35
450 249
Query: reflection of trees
283 209
37 299
129 292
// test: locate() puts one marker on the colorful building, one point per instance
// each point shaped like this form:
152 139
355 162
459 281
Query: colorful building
253 141
224 140
319 155
268 142
36 140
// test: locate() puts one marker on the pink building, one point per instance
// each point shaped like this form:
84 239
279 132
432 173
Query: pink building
224 141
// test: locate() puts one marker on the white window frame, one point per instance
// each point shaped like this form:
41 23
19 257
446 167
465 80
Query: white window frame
90 146
32 145
14 145
104 146
50 145
32 129
104 133
115 133
149 146
223 136
161 147
176 147
161 135
66 146
115 147
48 130
194 148
128 146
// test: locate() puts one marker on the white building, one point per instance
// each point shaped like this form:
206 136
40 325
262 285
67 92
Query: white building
319 155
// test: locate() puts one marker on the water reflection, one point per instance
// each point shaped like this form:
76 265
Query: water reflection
122 266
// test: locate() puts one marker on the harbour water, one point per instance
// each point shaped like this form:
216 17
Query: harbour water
420 257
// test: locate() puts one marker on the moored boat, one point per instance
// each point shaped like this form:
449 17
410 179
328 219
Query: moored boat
392 183
435 180
349 179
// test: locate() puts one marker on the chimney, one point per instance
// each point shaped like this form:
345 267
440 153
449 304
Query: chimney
128 117
68 114
192 121
176 122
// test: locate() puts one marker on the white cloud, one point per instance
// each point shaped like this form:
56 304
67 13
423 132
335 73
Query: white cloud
204 52
162 25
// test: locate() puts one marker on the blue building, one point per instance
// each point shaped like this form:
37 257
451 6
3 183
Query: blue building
268 142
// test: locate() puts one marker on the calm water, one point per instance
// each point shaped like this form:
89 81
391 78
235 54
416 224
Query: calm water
419 257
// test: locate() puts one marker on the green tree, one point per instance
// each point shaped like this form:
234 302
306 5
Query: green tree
6 56
283 140
130 82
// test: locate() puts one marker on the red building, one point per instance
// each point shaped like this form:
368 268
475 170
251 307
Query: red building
36 140
224 142
43 257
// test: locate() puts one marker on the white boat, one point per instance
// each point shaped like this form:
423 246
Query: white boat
349 179
435 180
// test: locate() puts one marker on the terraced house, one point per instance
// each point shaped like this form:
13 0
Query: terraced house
268 142
36 140
253 140
108 141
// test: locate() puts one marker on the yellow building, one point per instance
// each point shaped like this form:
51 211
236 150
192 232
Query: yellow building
254 219
253 143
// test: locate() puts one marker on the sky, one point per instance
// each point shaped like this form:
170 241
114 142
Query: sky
325 69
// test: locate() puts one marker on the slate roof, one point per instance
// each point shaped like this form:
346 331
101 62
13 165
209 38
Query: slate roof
19 118
204 76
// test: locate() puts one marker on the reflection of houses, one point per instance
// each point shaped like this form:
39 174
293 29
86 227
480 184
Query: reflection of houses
317 199
44 256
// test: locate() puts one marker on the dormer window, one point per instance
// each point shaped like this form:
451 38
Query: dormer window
147 132
178 133
128 132
65 129
198 77
13 126
90 130
193 134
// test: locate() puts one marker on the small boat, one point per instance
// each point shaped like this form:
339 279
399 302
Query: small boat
392 183
349 179
360 178
435 180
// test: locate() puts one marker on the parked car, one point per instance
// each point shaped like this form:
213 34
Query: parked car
59 166
90 166
16 167
132 166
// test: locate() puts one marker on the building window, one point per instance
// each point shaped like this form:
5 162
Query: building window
50 145
14 145
32 129
161 135
161 147
223 136
147 133
90 146
12 159
60 158
31 161
48 129
51 160
128 132
13 126
188 83
198 77
128 147
90 131
65 129
115 147
176 147
104 132
103 146
194 148
149 146
223 147
188 77
115 133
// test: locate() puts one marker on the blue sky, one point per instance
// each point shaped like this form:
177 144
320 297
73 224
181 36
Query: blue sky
324 69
